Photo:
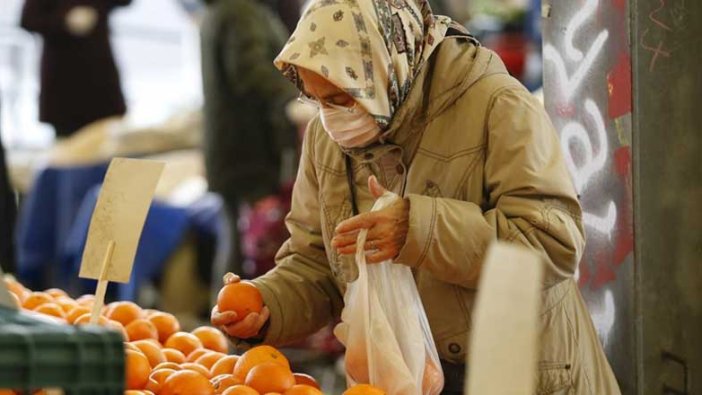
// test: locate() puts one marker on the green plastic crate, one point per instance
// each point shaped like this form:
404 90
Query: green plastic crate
38 353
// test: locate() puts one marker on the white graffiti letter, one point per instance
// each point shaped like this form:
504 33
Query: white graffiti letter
604 224
570 85
576 131
578 20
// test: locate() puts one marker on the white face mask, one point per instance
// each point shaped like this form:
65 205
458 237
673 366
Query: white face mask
350 127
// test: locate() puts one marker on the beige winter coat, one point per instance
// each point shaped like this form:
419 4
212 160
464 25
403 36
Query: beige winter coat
481 161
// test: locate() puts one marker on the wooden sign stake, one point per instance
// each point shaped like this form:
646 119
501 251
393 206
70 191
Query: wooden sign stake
102 284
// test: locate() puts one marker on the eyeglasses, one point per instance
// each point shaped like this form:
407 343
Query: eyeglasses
304 99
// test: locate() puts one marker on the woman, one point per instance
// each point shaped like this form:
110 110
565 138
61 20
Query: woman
411 101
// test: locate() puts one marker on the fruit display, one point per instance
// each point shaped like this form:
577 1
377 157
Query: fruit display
162 359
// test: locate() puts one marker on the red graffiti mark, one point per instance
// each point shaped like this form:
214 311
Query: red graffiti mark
622 162
566 110
606 260
584 268
659 50
652 17
620 5
604 272
619 84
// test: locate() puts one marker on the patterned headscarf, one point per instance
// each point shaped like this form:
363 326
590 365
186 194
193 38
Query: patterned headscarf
372 49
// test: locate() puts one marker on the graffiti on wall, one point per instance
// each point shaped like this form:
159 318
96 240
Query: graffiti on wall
588 94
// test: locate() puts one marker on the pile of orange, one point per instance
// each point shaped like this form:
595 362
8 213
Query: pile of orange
161 359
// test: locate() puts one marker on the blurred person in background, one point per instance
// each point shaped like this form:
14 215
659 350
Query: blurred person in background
411 101
8 214
79 79
247 134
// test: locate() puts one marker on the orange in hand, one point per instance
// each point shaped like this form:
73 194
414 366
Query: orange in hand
241 297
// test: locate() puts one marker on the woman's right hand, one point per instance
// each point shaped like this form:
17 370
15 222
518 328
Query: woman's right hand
229 323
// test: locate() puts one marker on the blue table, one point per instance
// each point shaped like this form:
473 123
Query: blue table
54 224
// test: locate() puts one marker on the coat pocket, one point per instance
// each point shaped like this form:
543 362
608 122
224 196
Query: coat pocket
554 378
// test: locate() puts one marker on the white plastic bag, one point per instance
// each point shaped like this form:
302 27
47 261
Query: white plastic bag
385 329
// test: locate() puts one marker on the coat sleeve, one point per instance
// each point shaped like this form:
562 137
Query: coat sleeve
44 17
300 291
531 202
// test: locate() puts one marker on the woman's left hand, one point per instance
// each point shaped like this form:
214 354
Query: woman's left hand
387 229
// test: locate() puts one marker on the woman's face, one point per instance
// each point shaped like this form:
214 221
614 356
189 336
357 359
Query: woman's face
322 90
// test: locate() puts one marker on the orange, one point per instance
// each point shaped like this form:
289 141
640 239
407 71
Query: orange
137 370
303 389
240 390
36 299
257 356
212 338
183 342
130 346
166 324
224 381
306 379
86 300
52 309
16 288
119 328
168 365
152 351
198 368
67 304
209 359
85 319
364 389
173 355
141 329
193 356
7 392
270 377
123 312
242 298
76 312
56 293
224 366
156 379
187 382
136 392
148 312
